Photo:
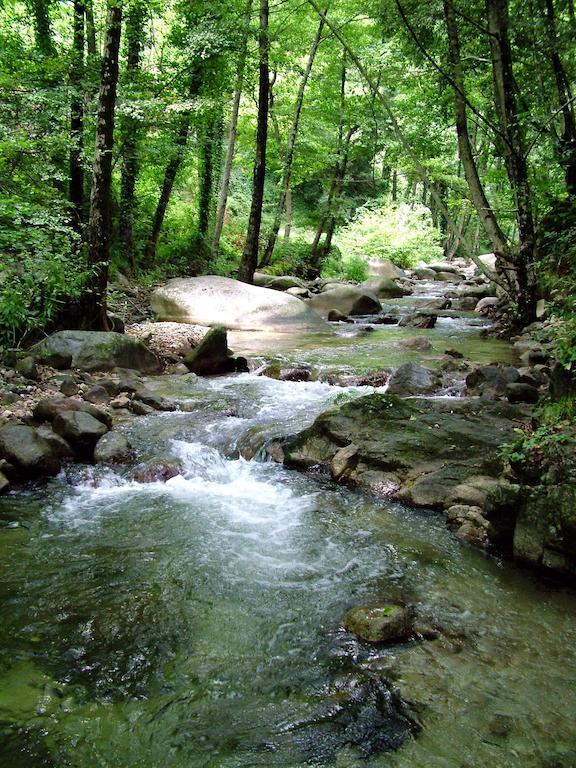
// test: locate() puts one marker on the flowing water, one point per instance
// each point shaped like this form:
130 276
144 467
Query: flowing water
196 623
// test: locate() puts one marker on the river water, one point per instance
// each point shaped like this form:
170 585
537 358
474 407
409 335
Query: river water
196 623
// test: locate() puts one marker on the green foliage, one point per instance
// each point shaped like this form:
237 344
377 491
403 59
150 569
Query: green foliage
404 234
41 271
354 268
558 278
291 258
544 451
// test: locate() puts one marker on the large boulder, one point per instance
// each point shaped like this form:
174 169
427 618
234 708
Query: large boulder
424 452
31 454
383 268
347 299
49 407
214 300
423 320
94 351
211 357
385 288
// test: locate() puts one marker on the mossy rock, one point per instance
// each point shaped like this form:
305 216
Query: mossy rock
385 623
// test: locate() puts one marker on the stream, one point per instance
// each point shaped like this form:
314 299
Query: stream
196 623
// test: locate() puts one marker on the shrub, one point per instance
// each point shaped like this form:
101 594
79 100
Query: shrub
401 233
42 269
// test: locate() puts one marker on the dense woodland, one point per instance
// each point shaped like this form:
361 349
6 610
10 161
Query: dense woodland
170 138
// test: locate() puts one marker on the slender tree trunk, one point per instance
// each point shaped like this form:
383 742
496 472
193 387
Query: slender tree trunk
315 253
288 219
567 142
76 185
250 254
465 149
130 130
170 174
291 145
232 135
90 29
206 178
328 221
99 225
394 186
40 10
514 154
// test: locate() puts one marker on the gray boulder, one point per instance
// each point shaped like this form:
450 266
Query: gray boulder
385 288
112 448
80 430
347 299
49 407
211 357
545 532
418 320
94 351
27 451
278 282
491 379
383 268
424 273
213 300
425 452
411 379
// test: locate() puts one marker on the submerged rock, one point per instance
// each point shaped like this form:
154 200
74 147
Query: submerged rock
387 623
112 448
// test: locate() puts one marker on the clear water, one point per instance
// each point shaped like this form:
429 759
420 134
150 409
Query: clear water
196 623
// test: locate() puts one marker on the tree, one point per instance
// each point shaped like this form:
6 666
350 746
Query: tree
76 186
130 125
250 253
100 223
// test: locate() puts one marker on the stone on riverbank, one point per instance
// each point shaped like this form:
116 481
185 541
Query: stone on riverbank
347 299
385 288
211 357
31 454
212 300
94 351
80 430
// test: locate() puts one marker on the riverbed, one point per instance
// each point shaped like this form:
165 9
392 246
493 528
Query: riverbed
196 623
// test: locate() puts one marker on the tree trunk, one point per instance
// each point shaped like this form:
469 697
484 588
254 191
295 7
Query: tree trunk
90 29
328 222
99 225
250 254
170 174
130 131
206 178
465 150
514 155
288 218
232 134
291 145
76 184
42 26
567 142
